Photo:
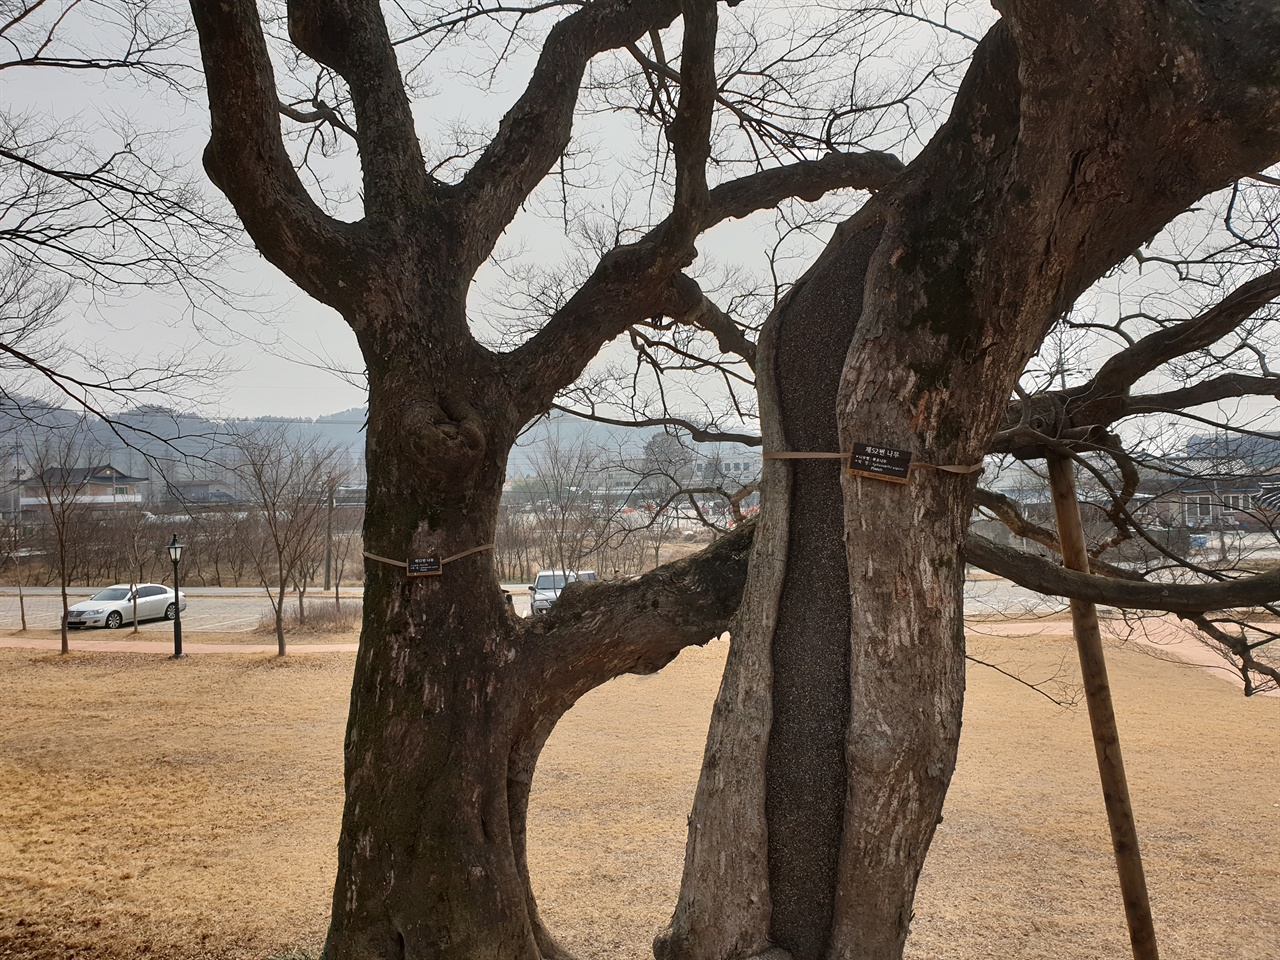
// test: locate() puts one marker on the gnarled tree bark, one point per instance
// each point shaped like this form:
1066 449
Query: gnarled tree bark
452 697
1078 132
1062 154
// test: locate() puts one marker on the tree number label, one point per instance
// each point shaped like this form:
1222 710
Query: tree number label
880 463
425 566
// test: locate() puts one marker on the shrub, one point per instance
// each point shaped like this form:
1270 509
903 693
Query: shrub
323 616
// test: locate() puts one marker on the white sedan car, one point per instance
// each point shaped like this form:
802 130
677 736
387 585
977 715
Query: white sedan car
115 605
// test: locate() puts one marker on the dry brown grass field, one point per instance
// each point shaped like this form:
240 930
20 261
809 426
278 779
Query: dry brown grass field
161 809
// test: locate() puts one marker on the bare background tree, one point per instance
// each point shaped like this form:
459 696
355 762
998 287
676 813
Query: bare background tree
562 507
289 481
59 464
343 531
94 210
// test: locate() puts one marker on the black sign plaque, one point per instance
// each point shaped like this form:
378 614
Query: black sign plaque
425 566
880 463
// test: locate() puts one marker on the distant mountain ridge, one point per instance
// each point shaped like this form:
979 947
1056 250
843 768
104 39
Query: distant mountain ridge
139 440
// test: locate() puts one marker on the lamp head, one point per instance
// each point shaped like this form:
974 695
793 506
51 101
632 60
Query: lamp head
175 549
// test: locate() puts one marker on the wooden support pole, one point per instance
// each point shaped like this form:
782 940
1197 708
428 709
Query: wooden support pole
1102 718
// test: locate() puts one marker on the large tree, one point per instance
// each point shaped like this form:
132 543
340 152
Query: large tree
1061 156
1077 133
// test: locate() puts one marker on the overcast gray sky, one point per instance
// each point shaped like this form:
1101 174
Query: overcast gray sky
275 339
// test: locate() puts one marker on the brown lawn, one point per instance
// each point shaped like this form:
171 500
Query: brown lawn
158 809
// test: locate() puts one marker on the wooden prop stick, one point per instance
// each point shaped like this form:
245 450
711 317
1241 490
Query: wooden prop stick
1102 718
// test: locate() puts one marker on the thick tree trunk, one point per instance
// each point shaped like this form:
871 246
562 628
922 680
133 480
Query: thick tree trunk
434 712
454 696
1076 135
452 709
1038 182
827 646
426 860
434 704
774 774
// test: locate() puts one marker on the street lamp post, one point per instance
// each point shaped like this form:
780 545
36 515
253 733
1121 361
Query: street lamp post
175 554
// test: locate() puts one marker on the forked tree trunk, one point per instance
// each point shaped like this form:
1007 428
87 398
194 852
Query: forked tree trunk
834 733
816 805
452 709
435 705
454 695
774 774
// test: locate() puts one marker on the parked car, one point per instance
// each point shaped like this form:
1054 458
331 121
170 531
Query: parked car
546 587
113 606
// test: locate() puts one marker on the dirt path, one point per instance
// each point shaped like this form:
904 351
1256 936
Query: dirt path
1163 637
193 641
199 643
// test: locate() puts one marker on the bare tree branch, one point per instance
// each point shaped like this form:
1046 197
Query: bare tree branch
597 631
1042 576
1229 386
806 179
1125 368
533 135
351 38
321 112
696 433
703 313
246 156
1239 646
617 296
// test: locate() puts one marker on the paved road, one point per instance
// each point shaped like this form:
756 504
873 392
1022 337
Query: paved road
990 596
233 610
211 609
210 613
237 609
99 641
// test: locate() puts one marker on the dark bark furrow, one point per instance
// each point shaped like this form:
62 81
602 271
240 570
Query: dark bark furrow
805 766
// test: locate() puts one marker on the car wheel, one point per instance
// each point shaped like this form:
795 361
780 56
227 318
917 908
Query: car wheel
171 611
114 620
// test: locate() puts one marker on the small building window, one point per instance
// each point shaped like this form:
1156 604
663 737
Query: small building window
1201 506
